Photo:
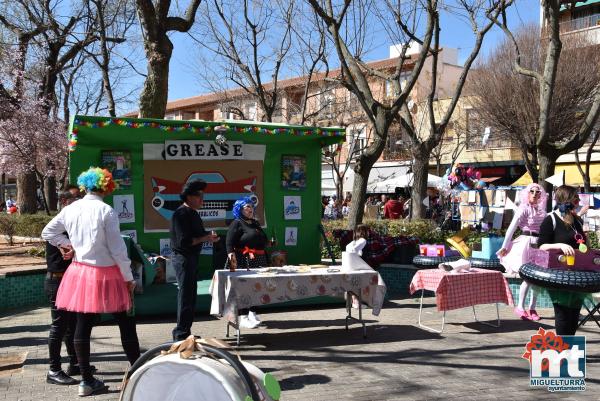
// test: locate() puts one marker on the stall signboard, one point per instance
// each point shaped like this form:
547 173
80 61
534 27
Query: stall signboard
156 158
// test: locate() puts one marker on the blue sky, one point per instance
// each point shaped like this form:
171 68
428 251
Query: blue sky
455 33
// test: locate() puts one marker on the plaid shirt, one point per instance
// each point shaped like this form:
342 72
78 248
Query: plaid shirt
378 248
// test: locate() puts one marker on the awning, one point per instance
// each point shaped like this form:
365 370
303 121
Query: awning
572 175
403 181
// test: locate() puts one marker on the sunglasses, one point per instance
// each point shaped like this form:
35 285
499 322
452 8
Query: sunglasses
534 192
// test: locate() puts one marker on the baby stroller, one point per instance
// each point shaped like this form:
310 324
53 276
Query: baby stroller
196 370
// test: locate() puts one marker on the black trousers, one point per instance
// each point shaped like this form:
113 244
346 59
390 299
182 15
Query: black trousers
185 269
83 331
62 326
566 319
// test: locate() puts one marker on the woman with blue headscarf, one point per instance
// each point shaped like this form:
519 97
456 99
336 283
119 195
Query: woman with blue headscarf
246 242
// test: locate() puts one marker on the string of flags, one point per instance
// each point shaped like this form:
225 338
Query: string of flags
207 129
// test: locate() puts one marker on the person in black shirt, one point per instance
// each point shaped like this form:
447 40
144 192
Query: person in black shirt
63 321
562 230
246 242
187 236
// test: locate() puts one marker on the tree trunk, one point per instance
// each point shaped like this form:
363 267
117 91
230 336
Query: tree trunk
153 99
50 193
26 193
419 190
359 196
546 169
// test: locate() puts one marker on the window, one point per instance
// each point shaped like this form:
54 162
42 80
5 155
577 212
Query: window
226 113
250 111
169 116
390 87
358 140
326 102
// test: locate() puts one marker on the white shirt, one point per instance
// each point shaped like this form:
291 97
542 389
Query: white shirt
94 234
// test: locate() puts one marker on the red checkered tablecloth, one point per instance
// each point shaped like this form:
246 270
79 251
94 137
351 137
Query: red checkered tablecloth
459 290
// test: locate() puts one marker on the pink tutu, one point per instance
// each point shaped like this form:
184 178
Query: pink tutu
518 253
93 289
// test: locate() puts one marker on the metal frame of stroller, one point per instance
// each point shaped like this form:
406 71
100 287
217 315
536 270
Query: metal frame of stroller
218 352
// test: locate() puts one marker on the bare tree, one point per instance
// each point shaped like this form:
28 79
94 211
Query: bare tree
156 25
543 127
551 137
402 20
242 36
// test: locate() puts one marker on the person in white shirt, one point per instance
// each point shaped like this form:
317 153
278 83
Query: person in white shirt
99 280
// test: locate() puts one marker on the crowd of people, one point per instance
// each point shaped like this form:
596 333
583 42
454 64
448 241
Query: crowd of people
376 207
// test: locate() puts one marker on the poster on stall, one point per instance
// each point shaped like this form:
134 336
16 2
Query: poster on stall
293 172
165 247
123 205
291 236
227 182
118 162
292 208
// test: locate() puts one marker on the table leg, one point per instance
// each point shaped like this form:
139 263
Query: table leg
427 327
486 323
349 312
236 326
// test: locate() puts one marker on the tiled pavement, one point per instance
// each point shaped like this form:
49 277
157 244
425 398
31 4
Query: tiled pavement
314 358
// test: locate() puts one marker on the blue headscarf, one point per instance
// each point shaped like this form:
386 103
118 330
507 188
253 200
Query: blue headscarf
239 205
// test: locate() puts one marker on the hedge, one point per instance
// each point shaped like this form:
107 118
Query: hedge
426 232
25 225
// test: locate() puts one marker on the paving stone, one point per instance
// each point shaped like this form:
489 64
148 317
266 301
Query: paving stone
315 358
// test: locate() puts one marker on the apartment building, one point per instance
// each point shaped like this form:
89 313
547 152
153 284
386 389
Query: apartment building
329 105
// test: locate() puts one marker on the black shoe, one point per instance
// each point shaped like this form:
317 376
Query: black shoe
90 387
60 377
74 370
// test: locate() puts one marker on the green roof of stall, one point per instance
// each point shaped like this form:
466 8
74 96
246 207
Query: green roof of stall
263 132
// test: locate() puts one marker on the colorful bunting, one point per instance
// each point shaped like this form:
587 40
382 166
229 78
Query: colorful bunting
187 127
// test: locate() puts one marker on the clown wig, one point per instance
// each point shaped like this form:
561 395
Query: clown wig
239 205
96 179
524 197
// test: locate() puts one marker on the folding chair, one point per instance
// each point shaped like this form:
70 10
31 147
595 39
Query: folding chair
593 313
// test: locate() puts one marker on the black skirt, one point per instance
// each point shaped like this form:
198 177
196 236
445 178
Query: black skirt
245 262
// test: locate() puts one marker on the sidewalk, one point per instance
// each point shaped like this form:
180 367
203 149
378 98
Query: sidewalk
315 359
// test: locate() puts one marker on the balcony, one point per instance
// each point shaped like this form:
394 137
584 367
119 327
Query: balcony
578 24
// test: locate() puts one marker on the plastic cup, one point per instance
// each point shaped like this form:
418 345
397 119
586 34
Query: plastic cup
570 260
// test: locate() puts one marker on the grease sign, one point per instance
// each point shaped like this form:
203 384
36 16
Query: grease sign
194 150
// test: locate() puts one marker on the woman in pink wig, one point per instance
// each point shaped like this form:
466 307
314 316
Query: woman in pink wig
513 254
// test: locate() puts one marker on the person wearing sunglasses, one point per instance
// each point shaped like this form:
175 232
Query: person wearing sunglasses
513 254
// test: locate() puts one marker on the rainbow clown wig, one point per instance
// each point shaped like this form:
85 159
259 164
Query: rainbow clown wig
96 179
239 205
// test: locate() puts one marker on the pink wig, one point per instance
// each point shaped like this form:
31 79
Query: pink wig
524 197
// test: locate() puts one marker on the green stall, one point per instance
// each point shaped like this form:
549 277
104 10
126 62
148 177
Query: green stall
277 166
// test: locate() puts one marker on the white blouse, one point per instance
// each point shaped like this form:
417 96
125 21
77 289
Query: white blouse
93 229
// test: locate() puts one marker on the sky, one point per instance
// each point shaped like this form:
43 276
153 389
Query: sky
183 82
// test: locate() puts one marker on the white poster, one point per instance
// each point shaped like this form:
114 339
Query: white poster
123 205
131 234
292 208
207 248
165 247
291 236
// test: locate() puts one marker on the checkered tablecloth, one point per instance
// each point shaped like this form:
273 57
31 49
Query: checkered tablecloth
459 290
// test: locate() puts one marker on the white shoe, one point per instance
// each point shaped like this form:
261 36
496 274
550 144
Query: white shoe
253 317
247 323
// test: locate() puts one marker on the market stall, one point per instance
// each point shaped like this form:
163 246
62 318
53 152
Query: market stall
278 166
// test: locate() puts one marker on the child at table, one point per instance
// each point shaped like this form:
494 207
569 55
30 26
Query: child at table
562 229
514 254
